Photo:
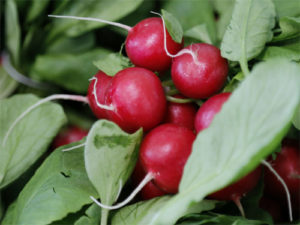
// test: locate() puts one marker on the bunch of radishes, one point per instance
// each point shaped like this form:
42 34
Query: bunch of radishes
135 98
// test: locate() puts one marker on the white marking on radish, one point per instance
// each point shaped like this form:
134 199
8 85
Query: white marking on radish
128 28
182 52
146 179
78 98
268 165
96 98
74 147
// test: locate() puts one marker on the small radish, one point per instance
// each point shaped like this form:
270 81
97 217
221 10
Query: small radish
150 190
200 76
96 93
69 135
145 42
182 114
208 110
137 98
163 154
287 165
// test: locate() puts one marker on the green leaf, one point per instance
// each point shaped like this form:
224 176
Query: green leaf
113 63
173 26
9 214
7 84
37 7
70 71
110 156
281 52
12 31
235 81
296 119
30 138
246 130
200 33
217 219
290 28
92 216
143 212
249 29
59 187
192 13
287 8
105 9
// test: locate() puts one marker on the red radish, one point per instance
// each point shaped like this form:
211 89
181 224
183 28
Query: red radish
137 98
182 114
69 135
209 109
150 190
287 165
272 207
164 152
200 76
145 42
96 93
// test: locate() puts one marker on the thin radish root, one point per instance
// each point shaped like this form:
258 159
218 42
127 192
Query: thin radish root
96 98
128 28
78 98
74 147
237 201
288 196
182 52
147 178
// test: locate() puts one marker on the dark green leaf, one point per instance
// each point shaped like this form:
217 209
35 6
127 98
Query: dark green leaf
70 71
37 7
246 130
92 216
192 13
249 29
12 30
30 138
173 26
59 187
290 28
7 84
113 63
296 119
199 33
235 81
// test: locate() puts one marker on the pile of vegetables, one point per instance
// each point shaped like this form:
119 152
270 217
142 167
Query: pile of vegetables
165 112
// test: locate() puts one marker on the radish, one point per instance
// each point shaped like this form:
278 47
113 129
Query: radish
209 109
287 165
69 135
150 190
182 114
272 207
144 43
163 154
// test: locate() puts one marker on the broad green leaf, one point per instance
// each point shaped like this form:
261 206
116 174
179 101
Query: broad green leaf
235 81
290 28
92 216
173 26
113 63
31 136
7 84
143 212
287 8
246 130
192 13
9 214
37 7
217 219
249 29
105 9
110 156
296 119
199 33
59 187
279 51
12 30
70 71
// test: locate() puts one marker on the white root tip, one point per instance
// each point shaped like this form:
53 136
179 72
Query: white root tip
106 107
78 98
74 147
238 203
268 165
128 28
181 52
146 179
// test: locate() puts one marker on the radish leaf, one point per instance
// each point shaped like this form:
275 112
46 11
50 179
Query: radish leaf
173 26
